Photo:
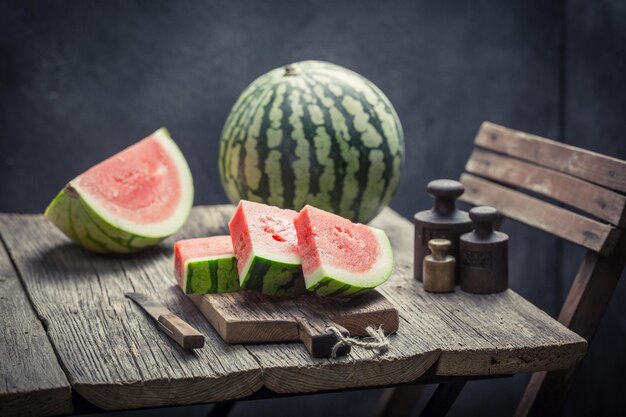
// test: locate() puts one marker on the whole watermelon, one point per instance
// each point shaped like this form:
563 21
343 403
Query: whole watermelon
313 133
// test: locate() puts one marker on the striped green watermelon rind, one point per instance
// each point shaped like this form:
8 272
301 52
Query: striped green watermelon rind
335 282
317 134
211 276
78 221
75 216
330 287
273 278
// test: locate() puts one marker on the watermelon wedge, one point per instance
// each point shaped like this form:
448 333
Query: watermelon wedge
129 201
206 265
265 244
341 258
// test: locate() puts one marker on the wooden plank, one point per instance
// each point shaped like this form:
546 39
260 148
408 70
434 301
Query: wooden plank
565 224
478 334
586 302
591 291
595 117
399 401
123 361
591 166
598 201
113 353
32 382
251 317
442 399
289 368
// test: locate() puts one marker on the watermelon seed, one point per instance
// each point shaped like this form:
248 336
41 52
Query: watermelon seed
278 238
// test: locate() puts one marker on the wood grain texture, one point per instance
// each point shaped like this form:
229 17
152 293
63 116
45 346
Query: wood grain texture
250 317
595 117
591 166
32 382
318 339
588 233
586 302
592 289
569 175
114 354
478 334
186 336
595 200
122 360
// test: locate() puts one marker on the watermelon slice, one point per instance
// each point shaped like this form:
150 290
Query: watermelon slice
341 258
265 245
206 265
130 201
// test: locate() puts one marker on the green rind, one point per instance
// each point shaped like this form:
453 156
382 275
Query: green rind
151 231
78 221
212 276
335 286
325 136
331 287
273 278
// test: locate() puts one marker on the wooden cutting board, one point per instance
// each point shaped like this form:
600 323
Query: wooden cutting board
251 317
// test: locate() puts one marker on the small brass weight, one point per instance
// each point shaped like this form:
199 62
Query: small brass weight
484 254
439 267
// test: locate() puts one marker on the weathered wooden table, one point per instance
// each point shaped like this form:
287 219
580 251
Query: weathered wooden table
68 329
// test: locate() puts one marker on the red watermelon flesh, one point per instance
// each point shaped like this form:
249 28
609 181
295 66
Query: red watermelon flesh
265 244
136 184
206 265
129 201
341 258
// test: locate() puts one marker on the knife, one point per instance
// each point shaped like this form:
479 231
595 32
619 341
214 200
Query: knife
175 327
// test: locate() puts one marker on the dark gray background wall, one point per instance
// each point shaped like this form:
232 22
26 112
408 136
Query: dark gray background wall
80 80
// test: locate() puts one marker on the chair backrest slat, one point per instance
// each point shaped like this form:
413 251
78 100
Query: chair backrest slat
593 167
598 201
588 233
503 166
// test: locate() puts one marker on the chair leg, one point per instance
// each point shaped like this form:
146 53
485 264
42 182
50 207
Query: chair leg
442 399
586 303
546 393
398 401
222 409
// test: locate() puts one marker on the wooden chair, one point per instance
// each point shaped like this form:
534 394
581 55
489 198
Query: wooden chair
506 162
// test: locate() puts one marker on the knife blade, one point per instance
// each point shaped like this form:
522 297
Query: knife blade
175 327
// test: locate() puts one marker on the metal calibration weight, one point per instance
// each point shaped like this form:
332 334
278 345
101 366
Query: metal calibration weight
439 267
443 221
484 254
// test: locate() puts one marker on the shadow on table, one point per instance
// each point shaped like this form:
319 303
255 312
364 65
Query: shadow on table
72 260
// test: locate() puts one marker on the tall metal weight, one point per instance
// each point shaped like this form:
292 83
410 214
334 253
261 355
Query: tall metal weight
443 221
484 255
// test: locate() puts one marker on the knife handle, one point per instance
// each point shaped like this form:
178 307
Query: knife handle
182 333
